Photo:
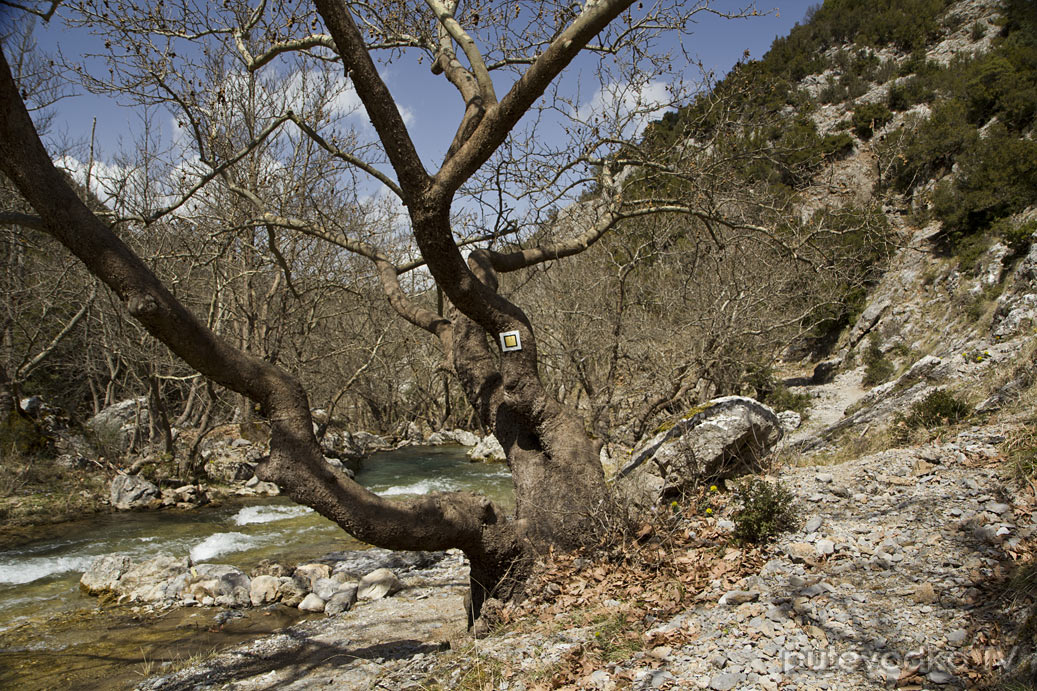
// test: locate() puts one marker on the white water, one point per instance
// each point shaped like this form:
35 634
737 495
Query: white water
17 572
223 543
421 487
268 514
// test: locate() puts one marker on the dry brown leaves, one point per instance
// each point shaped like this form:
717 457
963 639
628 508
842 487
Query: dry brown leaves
657 574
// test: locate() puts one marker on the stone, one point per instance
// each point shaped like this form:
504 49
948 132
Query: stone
342 601
488 450
378 584
290 592
924 594
738 597
312 603
725 438
263 590
104 572
308 574
131 492
119 423
801 552
222 582
825 547
324 588
957 637
155 580
812 525
790 420
725 681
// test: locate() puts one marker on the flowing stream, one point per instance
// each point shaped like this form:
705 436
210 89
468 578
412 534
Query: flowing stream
52 635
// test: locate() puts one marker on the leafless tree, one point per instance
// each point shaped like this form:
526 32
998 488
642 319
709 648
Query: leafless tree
229 48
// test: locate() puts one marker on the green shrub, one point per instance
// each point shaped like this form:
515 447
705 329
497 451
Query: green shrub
780 398
877 367
937 409
767 510
868 117
1016 237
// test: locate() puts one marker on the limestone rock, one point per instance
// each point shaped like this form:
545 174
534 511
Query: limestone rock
487 450
312 603
104 573
308 574
725 438
263 590
119 423
128 492
225 584
342 601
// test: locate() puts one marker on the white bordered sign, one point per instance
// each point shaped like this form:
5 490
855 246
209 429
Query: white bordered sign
509 341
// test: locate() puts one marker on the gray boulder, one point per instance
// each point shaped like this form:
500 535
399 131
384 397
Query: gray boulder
452 436
104 574
155 580
312 603
118 423
342 601
725 438
488 450
128 492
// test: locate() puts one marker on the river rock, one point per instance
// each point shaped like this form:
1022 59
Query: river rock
725 438
342 601
453 436
307 575
312 603
356 563
324 588
155 580
289 592
104 573
488 450
378 584
227 585
129 492
263 590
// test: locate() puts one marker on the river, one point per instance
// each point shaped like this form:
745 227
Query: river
51 634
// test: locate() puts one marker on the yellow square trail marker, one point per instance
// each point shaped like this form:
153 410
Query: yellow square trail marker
509 340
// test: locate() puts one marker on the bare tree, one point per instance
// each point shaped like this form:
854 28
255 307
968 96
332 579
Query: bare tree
554 461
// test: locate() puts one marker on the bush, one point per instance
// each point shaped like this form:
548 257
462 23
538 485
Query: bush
868 117
767 510
878 367
937 409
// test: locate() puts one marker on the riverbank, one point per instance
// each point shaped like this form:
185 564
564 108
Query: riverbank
899 575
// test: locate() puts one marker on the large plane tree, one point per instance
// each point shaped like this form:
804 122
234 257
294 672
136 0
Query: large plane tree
204 63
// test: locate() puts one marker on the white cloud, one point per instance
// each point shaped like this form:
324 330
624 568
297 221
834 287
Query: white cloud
629 106
112 184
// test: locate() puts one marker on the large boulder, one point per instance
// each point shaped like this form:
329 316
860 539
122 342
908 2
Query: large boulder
725 438
160 579
115 426
129 492
488 450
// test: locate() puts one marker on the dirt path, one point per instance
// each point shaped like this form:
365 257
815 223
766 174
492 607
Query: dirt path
830 402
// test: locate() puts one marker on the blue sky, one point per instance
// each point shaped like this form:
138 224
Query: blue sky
717 43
